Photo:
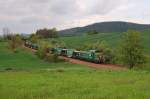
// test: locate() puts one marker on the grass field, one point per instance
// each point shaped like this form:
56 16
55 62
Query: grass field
27 60
32 78
73 84
112 39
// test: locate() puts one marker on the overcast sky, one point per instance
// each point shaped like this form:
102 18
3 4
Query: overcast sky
25 16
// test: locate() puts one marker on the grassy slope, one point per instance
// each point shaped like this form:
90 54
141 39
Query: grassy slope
26 60
75 85
71 82
80 40
113 39
146 41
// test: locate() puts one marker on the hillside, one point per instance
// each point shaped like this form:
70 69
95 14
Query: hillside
28 77
105 27
25 60
112 39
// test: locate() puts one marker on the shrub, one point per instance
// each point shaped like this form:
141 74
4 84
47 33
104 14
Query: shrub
52 57
15 42
34 38
132 50
92 32
41 52
109 56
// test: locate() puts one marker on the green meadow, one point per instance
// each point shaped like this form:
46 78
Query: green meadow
113 40
75 84
25 60
24 76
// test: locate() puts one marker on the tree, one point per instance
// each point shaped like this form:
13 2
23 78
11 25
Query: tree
106 54
102 49
42 50
92 32
34 38
132 49
14 42
47 33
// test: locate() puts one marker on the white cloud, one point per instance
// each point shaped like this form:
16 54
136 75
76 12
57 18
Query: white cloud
29 15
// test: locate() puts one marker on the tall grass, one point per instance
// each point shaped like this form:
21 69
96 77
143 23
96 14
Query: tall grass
76 84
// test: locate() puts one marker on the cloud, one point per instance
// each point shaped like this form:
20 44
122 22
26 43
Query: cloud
28 15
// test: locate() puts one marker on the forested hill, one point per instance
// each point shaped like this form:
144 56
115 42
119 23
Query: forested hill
106 27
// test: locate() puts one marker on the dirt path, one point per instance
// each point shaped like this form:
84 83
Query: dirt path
89 64
93 65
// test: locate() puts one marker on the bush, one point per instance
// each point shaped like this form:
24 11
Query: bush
41 52
132 49
15 42
92 32
109 56
34 38
52 57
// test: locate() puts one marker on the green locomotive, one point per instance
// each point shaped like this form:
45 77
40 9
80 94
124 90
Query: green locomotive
90 56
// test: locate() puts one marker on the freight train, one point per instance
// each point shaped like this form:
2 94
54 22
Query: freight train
90 56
